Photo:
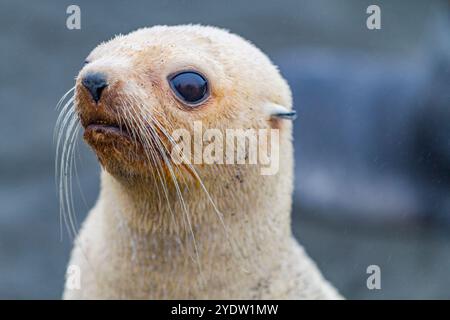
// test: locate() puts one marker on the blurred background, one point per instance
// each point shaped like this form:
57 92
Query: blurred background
372 137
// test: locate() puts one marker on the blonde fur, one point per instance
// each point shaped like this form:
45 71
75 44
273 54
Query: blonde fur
223 232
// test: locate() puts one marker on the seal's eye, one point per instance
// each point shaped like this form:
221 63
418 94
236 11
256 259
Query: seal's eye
190 87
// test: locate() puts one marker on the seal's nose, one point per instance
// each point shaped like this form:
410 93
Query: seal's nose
95 83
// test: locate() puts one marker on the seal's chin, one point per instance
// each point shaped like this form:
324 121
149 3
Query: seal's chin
106 135
117 149
121 148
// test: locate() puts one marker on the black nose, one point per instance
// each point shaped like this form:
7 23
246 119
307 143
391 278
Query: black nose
95 83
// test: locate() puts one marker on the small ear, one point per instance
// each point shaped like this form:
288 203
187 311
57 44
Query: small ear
278 111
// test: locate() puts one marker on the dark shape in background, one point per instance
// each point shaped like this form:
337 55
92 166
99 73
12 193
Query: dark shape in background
372 136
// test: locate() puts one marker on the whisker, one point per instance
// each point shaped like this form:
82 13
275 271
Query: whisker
145 140
60 102
183 203
65 135
196 175
163 150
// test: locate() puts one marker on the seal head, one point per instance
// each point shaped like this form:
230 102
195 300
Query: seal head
135 89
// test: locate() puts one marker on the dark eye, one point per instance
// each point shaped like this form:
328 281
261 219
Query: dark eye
190 87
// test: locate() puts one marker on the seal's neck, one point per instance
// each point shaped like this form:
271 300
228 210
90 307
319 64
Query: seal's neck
241 213
156 247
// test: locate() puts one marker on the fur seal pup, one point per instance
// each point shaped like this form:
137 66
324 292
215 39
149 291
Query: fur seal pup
167 230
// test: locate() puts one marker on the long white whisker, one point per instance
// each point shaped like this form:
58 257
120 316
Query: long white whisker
150 154
60 102
196 175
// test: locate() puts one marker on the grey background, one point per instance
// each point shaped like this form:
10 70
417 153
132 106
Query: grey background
372 138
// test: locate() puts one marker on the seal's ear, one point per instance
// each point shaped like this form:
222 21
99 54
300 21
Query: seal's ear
278 111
